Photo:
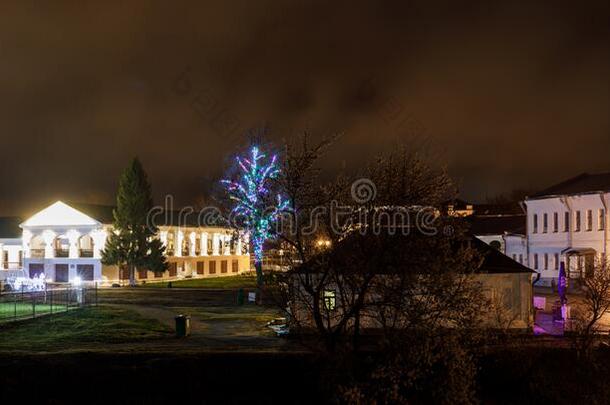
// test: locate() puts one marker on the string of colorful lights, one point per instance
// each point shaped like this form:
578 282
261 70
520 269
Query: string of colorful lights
253 204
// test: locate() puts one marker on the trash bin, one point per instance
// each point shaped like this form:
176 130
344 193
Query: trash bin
183 325
240 297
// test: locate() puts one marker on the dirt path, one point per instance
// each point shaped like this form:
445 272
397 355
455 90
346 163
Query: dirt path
164 315
214 334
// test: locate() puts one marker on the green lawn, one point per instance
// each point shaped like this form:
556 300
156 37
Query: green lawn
89 325
10 310
228 282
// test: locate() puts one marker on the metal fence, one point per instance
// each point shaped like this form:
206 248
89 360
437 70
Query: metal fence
18 305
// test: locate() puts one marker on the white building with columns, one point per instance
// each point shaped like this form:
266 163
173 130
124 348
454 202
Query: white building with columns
567 223
65 241
11 249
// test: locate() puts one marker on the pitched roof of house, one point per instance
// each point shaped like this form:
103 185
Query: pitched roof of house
497 224
511 208
59 214
494 262
9 227
582 184
102 213
497 262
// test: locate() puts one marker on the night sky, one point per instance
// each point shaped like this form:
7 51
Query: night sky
504 95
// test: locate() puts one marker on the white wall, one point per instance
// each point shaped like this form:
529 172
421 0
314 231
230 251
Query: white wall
13 247
490 238
550 243
516 248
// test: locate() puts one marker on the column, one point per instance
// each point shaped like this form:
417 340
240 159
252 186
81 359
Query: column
99 242
163 238
26 238
247 243
227 245
179 240
49 237
192 246
239 245
73 236
204 243
215 244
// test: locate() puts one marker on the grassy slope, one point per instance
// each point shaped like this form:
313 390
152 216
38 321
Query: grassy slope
8 310
86 325
229 282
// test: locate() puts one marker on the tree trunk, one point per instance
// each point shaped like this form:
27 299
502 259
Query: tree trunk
258 265
356 337
132 275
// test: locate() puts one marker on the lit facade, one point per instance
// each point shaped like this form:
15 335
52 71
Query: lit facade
63 242
567 223
569 229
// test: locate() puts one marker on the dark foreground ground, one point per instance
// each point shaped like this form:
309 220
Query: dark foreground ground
146 378
507 377
125 351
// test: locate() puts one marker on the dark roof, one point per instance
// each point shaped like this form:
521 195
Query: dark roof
104 214
101 213
512 208
581 184
497 262
493 260
497 224
9 227
457 203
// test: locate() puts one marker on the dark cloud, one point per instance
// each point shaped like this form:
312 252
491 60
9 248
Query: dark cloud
509 95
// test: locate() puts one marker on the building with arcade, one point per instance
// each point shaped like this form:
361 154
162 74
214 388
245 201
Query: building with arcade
64 241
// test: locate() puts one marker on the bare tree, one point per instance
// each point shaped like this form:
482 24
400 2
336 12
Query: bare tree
594 305
502 317
383 259
380 268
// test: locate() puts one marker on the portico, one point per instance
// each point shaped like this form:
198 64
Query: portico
64 242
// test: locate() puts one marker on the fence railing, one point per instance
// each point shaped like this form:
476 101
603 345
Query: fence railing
37 253
86 253
17 305
62 253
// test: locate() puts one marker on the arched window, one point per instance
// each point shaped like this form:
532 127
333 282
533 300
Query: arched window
198 244
170 244
186 244
495 244
85 246
62 246
37 247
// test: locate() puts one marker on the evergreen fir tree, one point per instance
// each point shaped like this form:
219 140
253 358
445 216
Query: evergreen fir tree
133 244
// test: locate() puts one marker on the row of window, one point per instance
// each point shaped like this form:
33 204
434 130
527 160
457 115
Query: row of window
62 271
185 248
520 258
545 261
601 221
212 268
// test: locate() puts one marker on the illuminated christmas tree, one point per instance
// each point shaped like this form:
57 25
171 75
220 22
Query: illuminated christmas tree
257 209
